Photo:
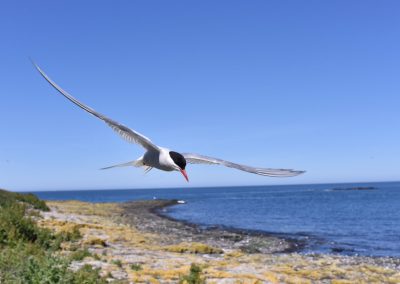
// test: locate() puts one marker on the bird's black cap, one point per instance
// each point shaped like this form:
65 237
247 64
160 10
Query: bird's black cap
178 159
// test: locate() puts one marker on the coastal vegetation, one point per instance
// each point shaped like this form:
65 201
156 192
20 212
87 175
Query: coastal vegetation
10 198
194 276
32 254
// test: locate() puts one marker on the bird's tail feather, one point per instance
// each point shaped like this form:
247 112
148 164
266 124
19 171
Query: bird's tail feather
136 163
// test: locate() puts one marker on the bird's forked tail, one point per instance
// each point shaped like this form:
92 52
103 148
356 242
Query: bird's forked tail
136 163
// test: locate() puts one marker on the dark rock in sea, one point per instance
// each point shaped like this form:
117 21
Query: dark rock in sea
343 250
356 188
338 249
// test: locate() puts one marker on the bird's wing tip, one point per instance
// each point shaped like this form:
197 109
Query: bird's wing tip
33 62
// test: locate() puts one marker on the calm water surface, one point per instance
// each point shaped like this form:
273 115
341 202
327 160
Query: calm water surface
331 221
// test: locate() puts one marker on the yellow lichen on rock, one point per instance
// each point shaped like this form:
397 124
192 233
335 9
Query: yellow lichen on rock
93 241
196 248
341 281
85 208
271 277
128 235
234 254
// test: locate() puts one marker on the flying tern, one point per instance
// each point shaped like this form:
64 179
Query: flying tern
162 158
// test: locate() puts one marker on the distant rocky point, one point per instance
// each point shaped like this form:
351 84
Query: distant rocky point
356 188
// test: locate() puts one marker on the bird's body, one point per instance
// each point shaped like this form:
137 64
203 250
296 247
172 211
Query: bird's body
159 159
162 158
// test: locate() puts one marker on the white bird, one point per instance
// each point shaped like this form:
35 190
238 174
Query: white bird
162 158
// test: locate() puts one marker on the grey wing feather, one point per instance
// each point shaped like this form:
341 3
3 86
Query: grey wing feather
127 133
200 159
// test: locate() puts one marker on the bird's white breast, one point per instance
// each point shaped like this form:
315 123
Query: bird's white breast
166 161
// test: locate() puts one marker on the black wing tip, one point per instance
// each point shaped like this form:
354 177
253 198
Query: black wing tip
297 173
106 168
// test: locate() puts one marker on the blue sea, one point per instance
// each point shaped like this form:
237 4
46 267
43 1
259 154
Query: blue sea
351 222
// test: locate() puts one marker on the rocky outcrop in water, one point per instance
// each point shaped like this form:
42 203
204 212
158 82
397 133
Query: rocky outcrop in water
356 188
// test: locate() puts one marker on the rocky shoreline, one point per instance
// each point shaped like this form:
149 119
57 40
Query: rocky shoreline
150 217
135 242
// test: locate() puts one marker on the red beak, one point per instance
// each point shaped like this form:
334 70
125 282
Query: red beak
185 175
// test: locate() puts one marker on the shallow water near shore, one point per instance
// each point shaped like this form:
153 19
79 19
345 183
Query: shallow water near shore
364 222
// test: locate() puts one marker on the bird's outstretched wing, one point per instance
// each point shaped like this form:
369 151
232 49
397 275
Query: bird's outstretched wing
200 159
127 133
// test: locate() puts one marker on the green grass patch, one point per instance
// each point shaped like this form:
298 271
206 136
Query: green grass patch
136 266
117 262
80 255
194 276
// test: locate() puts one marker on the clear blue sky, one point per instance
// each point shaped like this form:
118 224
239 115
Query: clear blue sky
310 85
